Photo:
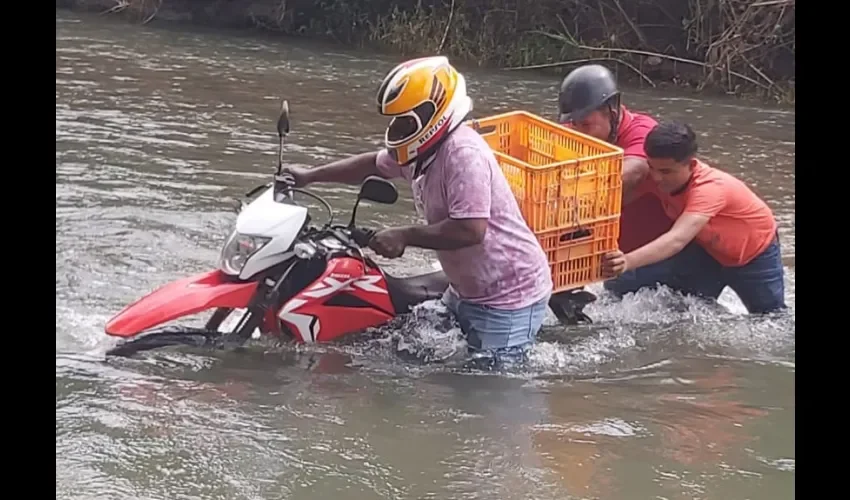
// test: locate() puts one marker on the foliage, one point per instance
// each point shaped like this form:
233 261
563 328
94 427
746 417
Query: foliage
734 46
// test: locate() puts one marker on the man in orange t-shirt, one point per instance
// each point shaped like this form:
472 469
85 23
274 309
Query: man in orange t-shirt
723 233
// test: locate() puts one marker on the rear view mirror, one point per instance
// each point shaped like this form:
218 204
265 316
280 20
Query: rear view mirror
379 190
282 131
283 119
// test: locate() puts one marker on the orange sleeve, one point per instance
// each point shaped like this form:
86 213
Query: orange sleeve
706 199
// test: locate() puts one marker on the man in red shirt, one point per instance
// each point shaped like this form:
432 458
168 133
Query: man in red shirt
723 234
589 102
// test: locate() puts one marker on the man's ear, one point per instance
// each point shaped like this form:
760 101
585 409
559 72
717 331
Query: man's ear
692 163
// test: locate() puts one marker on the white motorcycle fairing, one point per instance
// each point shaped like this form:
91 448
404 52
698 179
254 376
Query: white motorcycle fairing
266 218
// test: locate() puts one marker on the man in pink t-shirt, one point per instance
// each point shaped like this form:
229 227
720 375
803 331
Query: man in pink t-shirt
500 280
507 269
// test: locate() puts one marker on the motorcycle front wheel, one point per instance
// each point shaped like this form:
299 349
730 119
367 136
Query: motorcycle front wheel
167 337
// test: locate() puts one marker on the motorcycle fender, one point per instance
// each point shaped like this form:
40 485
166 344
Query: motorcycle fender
187 296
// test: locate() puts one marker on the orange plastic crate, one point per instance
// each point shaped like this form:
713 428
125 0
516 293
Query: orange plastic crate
563 181
575 255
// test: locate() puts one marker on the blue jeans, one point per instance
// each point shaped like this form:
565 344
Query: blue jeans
497 333
760 284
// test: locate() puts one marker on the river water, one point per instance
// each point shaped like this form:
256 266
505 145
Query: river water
158 131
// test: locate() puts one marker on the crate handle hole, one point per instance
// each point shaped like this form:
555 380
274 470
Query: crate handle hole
575 235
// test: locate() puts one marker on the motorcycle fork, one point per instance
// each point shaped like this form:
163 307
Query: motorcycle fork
249 321
270 296
218 318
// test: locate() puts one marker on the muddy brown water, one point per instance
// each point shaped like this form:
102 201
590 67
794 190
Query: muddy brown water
159 130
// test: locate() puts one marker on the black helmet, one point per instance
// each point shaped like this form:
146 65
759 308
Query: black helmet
585 89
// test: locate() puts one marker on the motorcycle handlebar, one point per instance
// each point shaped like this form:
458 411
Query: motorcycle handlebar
362 236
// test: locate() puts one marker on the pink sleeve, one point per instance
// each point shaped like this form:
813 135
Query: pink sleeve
467 184
388 167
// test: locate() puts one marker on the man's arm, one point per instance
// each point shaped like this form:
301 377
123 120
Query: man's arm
466 183
450 234
635 170
351 170
703 202
684 230
635 166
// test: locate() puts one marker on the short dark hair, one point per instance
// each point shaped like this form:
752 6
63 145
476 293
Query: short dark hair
671 140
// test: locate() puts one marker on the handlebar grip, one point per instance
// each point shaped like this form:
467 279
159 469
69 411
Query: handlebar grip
286 178
362 236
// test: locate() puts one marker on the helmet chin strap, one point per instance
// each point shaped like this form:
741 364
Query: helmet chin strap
614 118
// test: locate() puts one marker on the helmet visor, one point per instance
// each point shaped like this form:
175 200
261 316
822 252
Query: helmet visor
403 127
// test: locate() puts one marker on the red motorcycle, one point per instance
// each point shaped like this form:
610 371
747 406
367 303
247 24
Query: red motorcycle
292 279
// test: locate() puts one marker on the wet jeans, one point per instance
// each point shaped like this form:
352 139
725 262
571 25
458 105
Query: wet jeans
501 334
760 284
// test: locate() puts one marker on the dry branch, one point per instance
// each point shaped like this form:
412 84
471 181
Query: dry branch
448 25
588 60
668 57
118 7
731 41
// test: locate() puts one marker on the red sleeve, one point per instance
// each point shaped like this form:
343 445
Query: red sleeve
705 199
632 141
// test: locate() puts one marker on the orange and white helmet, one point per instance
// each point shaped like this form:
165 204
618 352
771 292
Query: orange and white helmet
427 99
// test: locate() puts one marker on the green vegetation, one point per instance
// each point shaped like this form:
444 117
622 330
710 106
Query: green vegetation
742 47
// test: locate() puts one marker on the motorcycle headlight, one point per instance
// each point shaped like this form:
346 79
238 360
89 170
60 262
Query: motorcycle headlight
237 249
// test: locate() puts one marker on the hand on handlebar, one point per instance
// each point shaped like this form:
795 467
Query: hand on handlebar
362 236
389 243
294 176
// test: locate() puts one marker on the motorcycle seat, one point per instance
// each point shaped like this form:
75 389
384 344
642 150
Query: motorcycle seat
408 291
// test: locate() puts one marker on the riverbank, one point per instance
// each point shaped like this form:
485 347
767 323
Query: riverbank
739 48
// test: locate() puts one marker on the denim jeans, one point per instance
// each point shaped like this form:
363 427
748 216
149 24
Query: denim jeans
759 284
500 334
